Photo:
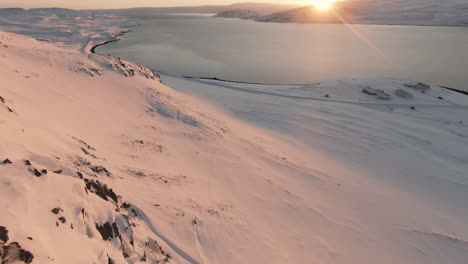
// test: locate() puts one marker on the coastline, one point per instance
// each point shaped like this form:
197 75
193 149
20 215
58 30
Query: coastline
115 39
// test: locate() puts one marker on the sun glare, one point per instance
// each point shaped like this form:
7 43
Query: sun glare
322 5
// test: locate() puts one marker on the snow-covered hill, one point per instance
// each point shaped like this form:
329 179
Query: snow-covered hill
100 162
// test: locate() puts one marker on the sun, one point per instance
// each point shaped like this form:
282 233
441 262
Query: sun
322 5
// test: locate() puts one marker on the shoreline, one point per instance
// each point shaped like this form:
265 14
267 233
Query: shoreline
116 38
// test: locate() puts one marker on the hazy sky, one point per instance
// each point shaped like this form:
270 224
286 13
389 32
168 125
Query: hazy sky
85 4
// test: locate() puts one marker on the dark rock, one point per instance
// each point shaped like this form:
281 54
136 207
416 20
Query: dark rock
2 99
13 253
80 175
144 257
58 171
27 163
108 231
56 210
440 98
327 96
85 151
110 261
62 219
413 108
100 170
101 190
380 94
126 205
7 161
44 171
419 86
30 238
37 173
3 235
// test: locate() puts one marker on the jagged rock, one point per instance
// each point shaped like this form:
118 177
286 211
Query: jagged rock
380 94
56 210
101 190
58 171
62 219
2 100
422 87
44 171
3 235
108 231
100 170
85 151
110 261
37 173
7 161
80 175
13 253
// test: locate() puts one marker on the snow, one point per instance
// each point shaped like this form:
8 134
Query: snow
206 171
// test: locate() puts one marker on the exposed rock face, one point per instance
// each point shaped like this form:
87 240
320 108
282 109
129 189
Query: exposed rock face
108 231
12 253
3 235
100 190
421 87
380 94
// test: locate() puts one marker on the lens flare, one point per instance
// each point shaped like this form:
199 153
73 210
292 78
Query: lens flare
322 5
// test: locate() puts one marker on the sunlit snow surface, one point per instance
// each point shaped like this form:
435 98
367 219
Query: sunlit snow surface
138 172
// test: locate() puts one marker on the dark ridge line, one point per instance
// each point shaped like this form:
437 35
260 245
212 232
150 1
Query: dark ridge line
455 90
115 39
278 84
241 82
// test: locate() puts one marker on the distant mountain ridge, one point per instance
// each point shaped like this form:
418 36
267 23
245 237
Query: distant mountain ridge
395 12
308 14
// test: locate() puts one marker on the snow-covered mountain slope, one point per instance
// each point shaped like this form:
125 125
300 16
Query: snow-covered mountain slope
100 162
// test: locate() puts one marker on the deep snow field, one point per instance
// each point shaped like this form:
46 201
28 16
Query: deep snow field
101 162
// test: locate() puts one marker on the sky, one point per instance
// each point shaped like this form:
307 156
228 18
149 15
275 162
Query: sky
91 4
